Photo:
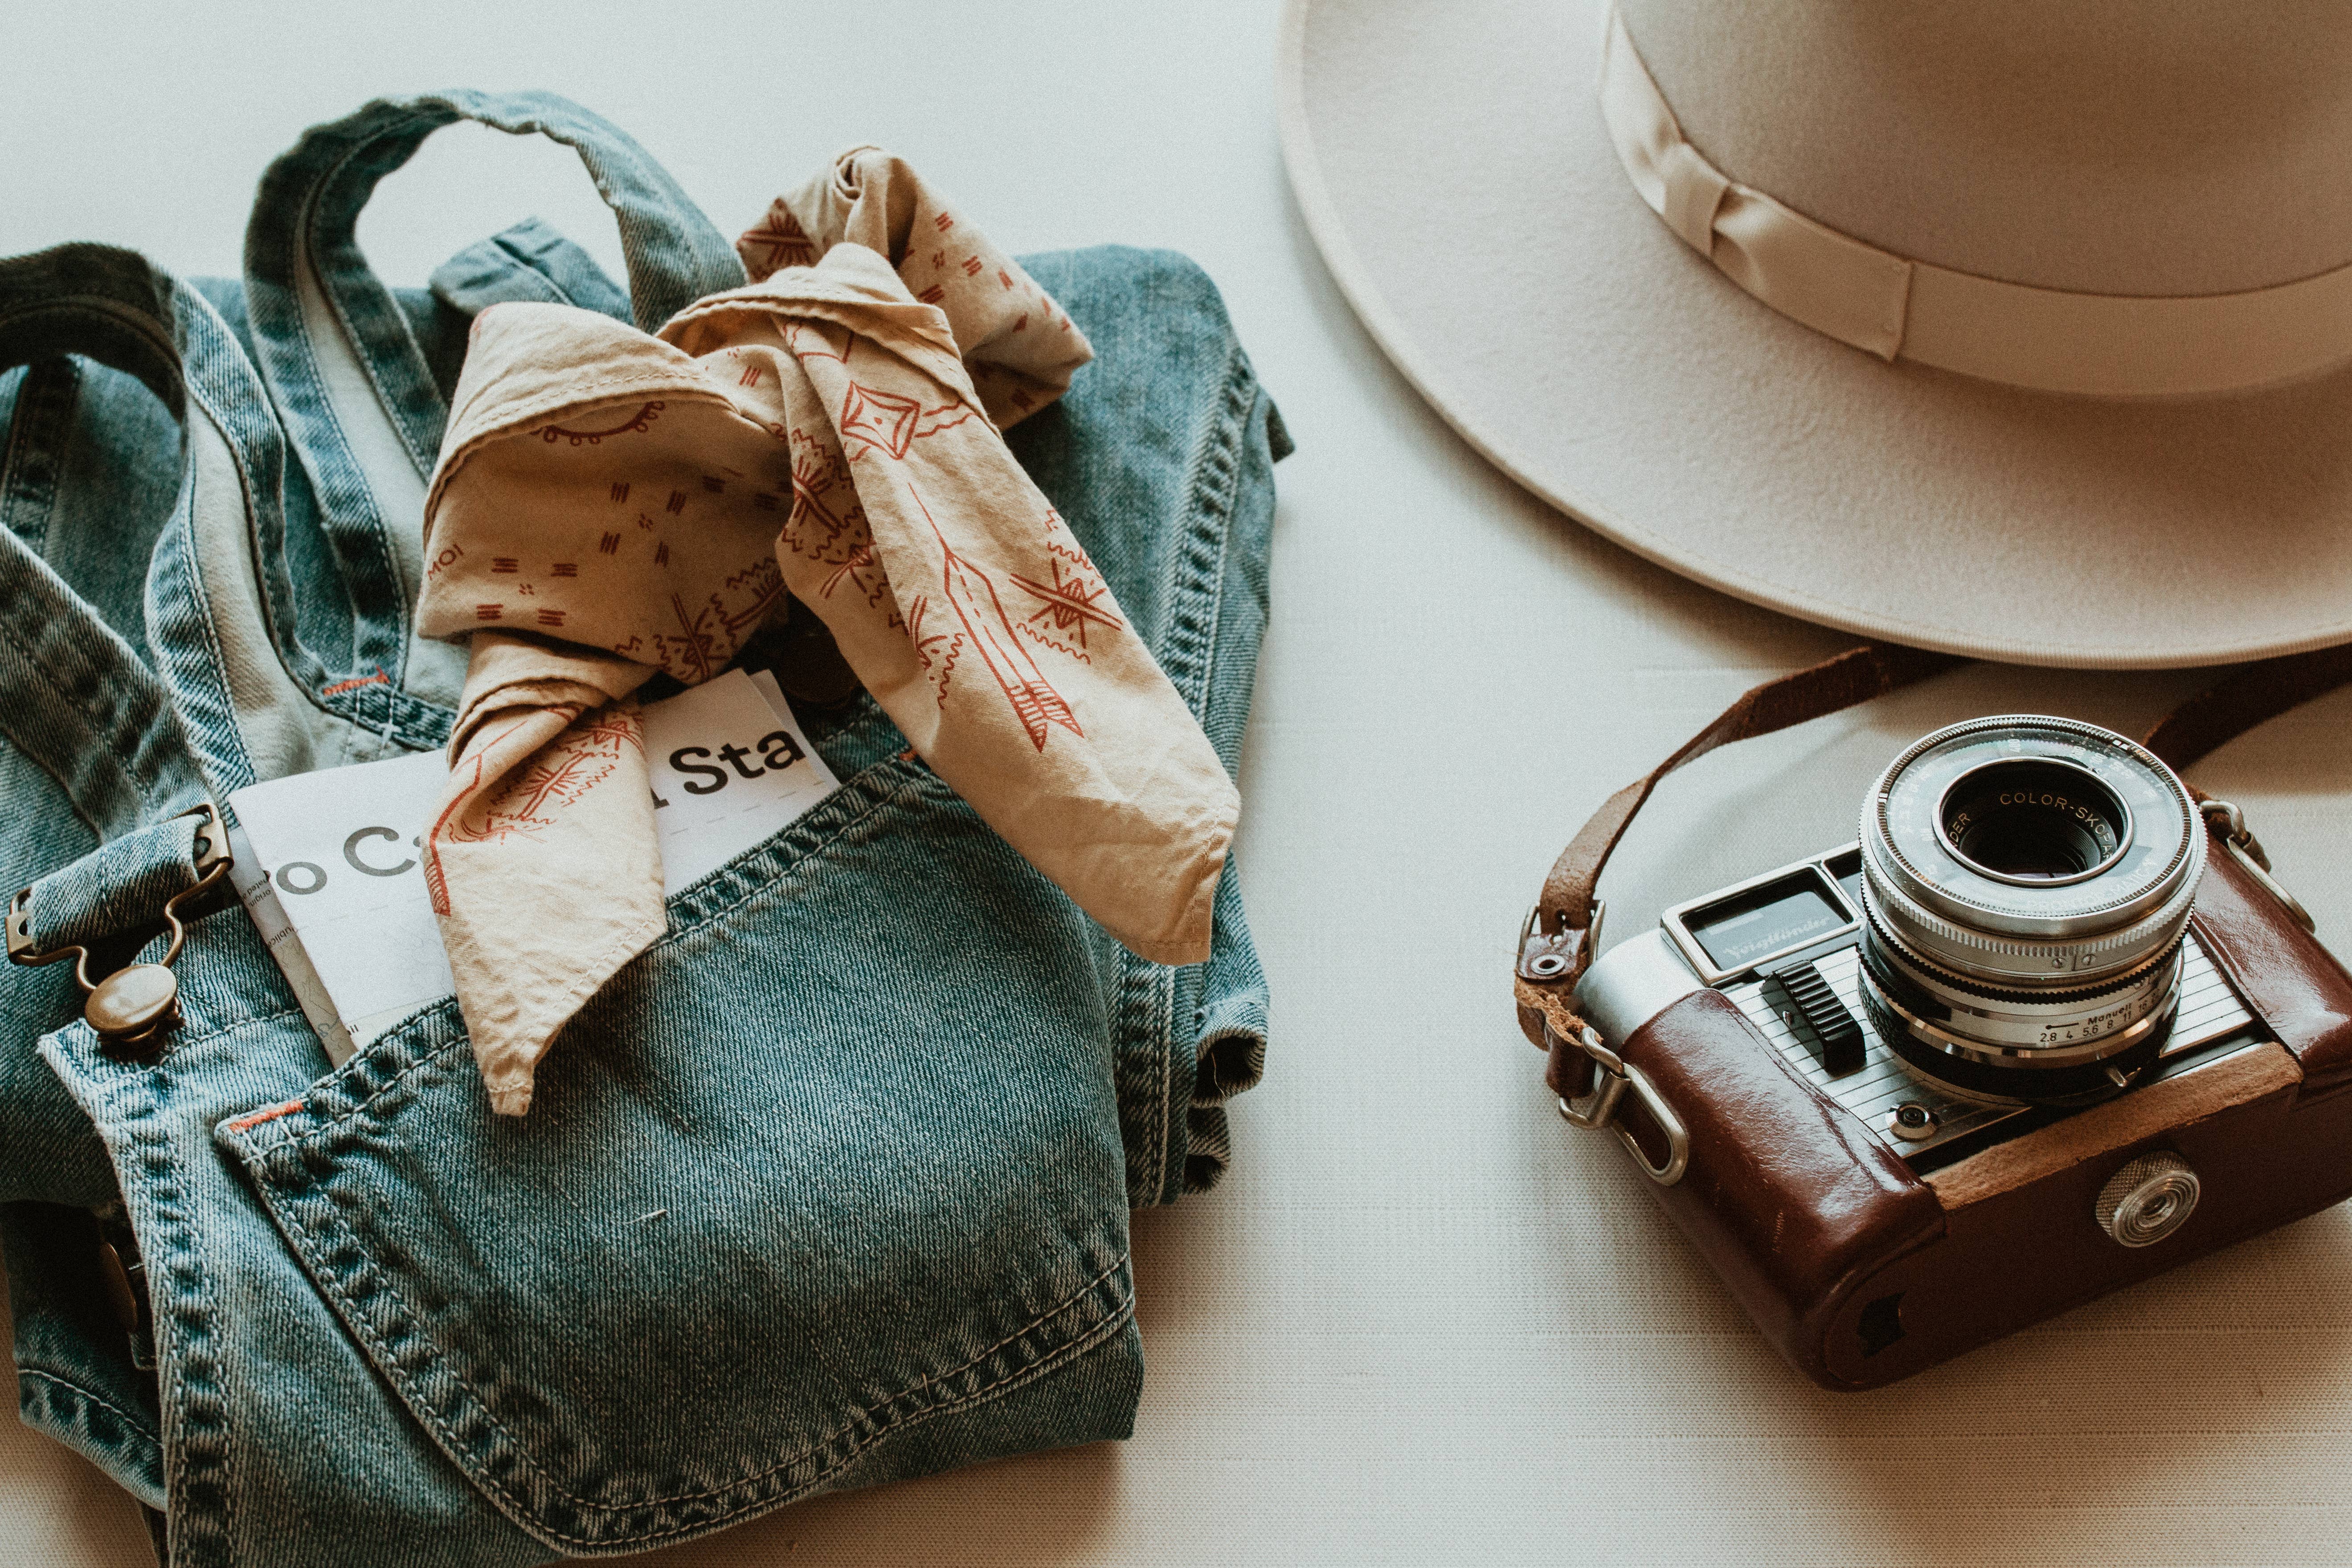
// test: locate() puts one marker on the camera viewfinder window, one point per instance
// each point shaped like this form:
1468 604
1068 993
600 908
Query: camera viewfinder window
1764 921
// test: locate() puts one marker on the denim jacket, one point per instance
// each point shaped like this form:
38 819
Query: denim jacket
834 1187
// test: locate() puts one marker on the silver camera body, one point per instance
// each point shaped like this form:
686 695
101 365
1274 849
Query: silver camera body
2006 941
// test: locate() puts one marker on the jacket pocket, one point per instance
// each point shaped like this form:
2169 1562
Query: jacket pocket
834 1159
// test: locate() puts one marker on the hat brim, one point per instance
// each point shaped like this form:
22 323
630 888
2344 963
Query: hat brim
1450 160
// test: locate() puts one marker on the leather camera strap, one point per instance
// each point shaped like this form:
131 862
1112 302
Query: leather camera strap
2249 695
1557 946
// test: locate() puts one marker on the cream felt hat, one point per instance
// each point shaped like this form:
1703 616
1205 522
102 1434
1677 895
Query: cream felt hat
2010 328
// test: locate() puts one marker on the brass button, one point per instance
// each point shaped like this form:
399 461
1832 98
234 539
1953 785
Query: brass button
133 1001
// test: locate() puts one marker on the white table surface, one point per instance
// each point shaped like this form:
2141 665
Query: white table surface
1423 1321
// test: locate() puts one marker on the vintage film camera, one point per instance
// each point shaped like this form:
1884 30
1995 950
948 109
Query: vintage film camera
2047 1028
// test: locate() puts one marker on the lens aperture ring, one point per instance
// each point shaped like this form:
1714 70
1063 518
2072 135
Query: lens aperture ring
2027 1032
1947 977
1963 1068
2005 960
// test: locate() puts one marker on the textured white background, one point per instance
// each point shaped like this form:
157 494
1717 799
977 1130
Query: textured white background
1423 1321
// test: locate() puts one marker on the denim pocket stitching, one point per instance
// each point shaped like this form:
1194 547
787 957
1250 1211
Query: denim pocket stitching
398 1044
917 780
260 1140
306 1120
140 1424
292 1219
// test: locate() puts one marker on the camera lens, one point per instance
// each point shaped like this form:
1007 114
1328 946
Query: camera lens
2026 882
2034 821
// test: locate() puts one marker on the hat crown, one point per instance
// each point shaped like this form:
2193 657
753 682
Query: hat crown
2152 147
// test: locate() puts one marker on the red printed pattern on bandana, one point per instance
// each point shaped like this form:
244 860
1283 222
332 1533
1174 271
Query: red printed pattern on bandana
779 242
642 420
558 776
972 594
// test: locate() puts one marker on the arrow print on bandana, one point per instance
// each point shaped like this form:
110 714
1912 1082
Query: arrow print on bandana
974 597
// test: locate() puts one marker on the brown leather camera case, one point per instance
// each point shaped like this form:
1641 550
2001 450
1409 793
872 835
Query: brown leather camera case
1861 1272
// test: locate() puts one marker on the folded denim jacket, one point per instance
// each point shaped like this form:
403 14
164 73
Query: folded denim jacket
834 1188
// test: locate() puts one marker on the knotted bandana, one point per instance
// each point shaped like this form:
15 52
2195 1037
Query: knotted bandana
609 504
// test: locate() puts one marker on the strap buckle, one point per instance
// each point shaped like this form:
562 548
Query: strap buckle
1547 957
1597 1108
2247 850
135 1006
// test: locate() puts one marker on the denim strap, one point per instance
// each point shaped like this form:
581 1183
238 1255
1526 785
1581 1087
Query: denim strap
307 284
74 697
122 885
308 211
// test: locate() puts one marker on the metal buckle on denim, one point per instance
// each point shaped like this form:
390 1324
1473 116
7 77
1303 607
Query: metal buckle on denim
1598 1107
133 1008
2247 850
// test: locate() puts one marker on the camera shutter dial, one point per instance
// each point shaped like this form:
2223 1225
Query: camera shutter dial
2147 1200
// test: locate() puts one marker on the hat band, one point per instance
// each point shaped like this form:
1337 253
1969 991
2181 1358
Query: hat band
2115 345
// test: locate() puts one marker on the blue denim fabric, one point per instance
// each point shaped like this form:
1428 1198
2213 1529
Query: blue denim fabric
89 470
91 473
87 476
1162 459
827 1189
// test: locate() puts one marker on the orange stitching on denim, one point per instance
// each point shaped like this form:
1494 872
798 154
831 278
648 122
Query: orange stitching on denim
378 678
258 1117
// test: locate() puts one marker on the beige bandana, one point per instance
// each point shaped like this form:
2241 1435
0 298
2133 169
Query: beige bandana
609 504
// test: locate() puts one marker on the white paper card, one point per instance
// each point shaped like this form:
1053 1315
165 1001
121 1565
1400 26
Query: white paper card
729 767
329 863
338 850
